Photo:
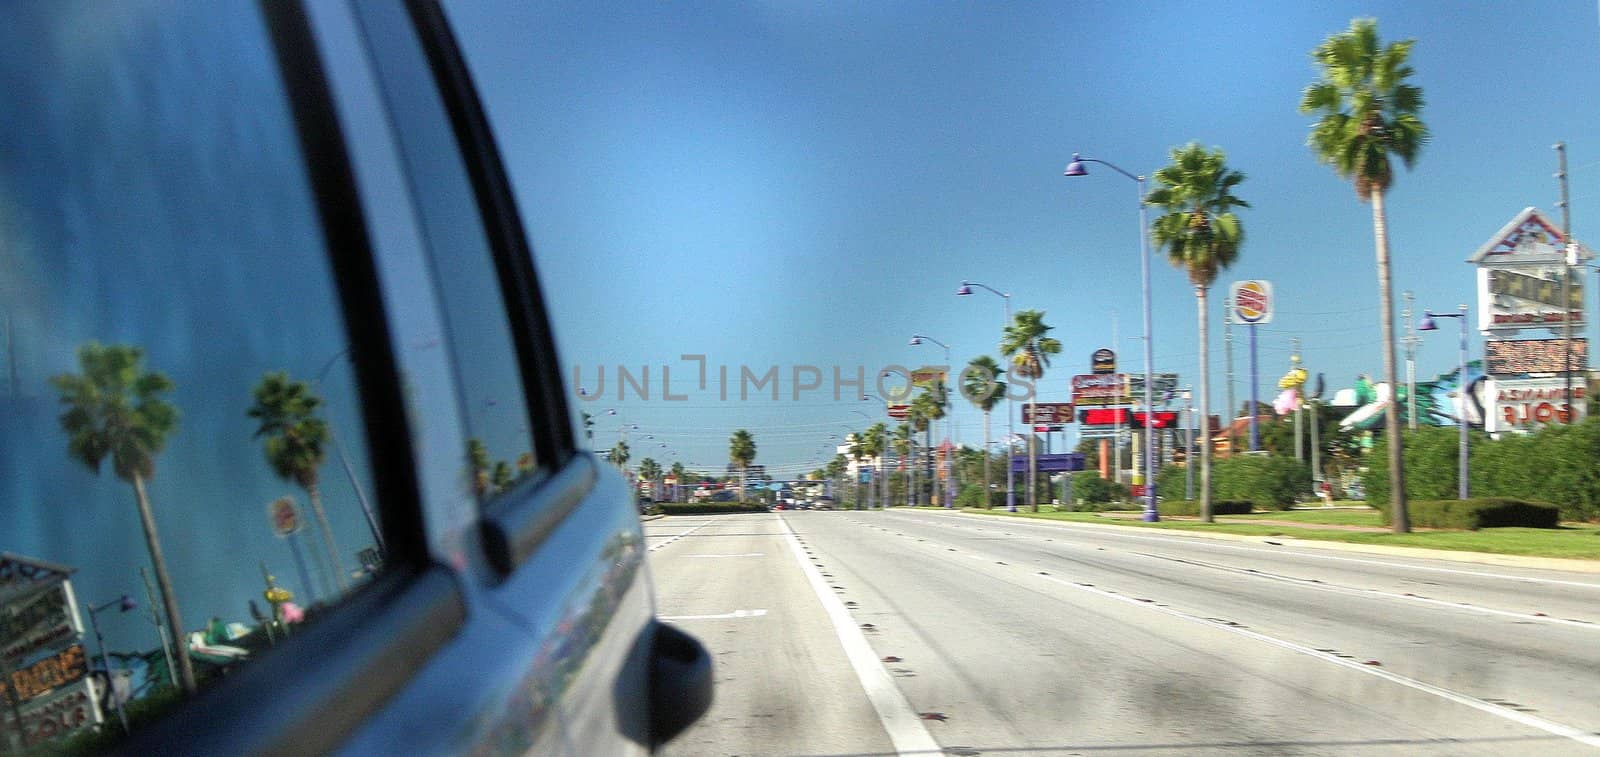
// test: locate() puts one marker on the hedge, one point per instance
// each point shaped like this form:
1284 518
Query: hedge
710 508
1270 482
1480 512
1192 507
1555 465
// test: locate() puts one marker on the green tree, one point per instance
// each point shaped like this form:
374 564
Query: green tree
680 475
981 385
1368 115
619 455
905 442
115 408
286 414
1201 235
651 471
1026 342
741 452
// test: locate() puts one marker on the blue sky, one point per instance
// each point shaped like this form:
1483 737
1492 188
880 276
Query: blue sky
793 183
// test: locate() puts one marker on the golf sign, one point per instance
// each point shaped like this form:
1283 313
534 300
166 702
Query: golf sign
1252 302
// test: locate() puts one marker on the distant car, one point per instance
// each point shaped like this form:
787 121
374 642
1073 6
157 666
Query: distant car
723 496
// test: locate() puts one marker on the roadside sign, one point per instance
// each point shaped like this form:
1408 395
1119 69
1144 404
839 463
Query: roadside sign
1103 361
285 518
1100 389
1047 413
1252 302
1051 463
899 412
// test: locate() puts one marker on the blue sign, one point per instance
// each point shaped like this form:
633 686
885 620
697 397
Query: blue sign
1055 463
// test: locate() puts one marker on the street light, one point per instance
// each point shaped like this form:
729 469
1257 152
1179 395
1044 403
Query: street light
1077 168
1011 488
123 603
1427 324
949 424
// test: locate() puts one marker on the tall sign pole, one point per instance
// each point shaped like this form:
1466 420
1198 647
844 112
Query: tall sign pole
1252 305
1570 255
1227 346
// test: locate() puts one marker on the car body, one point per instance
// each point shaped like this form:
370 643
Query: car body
496 608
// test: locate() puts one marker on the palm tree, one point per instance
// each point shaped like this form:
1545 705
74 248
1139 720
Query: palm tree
678 474
115 408
501 478
982 387
1029 348
904 441
929 407
619 455
1201 235
294 438
877 446
1368 113
478 467
650 470
741 452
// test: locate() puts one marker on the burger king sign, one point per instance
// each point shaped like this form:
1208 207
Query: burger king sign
1252 302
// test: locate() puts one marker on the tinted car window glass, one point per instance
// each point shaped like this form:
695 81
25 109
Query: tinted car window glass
499 449
183 475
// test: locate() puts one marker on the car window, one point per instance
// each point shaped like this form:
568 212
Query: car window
499 449
184 478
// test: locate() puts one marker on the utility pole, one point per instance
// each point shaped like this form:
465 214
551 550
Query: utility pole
1232 409
1570 258
1411 341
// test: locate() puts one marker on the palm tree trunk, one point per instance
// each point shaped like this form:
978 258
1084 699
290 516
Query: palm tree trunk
986 459
1391 414
314 494
1033 490
1205 405
169 599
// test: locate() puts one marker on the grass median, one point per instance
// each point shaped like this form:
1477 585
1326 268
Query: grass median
1573 540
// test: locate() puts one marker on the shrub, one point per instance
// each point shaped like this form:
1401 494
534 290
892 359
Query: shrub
1270 482
711 508
1192 507
1480 512
1094 490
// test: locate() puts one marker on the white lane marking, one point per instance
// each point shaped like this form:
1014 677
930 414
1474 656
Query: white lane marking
723 616
1548 726
1379 593
741 554
906 731
676 537
1192 541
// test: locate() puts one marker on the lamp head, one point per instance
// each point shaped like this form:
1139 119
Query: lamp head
1427 323
1076 167
963 290
916 340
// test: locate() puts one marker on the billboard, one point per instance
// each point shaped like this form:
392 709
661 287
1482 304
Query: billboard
1516 356
1518 405
1047 413
1251 302
1521 273
1103 361
1100 389
1163 386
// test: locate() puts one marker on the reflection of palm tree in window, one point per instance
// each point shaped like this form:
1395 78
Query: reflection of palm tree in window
294 438
478 467
114 408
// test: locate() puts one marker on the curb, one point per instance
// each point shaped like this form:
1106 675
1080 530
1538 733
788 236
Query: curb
1567 564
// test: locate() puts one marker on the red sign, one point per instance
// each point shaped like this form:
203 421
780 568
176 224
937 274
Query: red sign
285 518
899 412
1107 416
1158 419
1100 389
1047 413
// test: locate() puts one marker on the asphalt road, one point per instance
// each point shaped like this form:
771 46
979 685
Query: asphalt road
921 633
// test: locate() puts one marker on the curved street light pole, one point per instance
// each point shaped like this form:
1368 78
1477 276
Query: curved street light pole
1076 168
1462 462
1011 411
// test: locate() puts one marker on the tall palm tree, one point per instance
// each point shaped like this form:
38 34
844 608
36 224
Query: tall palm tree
294 439
877 446
1201 235
981 384
679 475
1368 114
114 408
650 470
741 452
1027 344
502 477
929 407
904 441
619 455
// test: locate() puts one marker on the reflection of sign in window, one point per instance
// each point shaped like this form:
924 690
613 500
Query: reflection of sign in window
60 712
59 669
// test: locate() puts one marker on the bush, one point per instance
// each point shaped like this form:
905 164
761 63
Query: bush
1192 507
1270 482
710 508
1481 512
1094 490
972 496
